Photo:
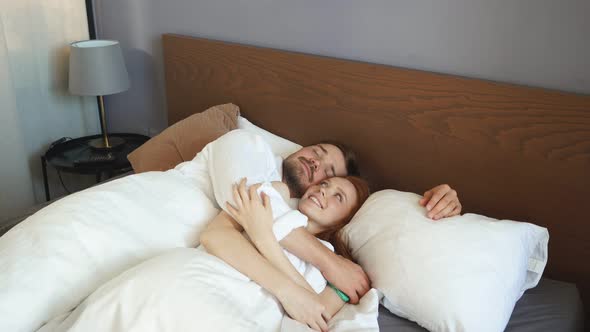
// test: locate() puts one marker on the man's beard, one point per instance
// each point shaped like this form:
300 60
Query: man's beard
292 175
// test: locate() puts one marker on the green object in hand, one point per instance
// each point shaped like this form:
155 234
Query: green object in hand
340 293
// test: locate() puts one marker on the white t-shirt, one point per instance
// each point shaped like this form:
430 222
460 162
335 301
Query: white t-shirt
288 220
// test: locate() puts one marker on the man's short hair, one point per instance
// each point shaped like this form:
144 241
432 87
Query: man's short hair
352 167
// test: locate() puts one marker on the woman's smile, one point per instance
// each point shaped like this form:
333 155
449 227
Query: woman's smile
316 201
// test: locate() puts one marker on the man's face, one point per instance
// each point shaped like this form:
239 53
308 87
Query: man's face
311 165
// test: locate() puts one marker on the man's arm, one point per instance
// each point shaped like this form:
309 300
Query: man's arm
441 202
341 272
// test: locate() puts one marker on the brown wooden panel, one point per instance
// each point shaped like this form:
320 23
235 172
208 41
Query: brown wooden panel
510 151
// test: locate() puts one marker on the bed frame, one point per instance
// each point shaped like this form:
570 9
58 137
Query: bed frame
510 151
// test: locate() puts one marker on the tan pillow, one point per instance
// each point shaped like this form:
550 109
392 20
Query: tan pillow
183 140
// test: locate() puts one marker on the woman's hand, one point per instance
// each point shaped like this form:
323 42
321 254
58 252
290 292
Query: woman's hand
304 307
252 211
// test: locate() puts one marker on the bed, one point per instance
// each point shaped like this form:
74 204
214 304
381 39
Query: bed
500 146
551 306
510 151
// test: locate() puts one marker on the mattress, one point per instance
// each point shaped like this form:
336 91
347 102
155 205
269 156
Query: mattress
551 306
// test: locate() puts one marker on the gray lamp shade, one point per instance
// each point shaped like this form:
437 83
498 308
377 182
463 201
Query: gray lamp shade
97 68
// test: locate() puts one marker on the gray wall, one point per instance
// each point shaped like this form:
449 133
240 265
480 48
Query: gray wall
541 43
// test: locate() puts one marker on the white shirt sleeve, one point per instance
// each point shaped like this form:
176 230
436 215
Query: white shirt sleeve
285 218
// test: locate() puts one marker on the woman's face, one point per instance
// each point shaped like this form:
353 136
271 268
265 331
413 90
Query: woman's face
328 203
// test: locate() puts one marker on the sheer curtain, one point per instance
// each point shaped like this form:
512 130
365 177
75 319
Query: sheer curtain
35 106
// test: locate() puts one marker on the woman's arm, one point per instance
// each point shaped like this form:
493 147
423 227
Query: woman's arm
223 239
254 214
331 301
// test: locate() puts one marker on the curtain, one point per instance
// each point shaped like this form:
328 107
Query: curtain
35 106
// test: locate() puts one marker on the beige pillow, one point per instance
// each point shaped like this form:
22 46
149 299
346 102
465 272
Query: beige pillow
183 140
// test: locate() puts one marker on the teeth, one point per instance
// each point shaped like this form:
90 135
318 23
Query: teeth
315 200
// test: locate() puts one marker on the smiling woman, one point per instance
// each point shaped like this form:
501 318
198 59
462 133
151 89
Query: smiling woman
333 194
328 203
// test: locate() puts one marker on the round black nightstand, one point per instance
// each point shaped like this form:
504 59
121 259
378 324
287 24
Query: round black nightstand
76 156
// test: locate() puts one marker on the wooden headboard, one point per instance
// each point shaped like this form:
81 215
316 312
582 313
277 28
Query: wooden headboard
510 151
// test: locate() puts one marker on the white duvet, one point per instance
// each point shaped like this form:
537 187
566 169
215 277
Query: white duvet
56 258
188 289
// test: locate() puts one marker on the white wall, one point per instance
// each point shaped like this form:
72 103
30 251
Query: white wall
542 43
35 106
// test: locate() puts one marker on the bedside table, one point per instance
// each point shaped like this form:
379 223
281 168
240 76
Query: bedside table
69 156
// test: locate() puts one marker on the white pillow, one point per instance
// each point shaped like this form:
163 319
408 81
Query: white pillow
463 273
279 146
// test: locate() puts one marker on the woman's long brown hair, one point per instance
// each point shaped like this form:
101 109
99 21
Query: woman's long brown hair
333 234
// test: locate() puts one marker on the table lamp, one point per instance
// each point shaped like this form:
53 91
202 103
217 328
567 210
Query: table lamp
97 68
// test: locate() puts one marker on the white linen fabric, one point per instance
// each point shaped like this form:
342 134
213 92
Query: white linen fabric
61 254
58 256
279 146
188 289
184 289
463 273
181 290
233 156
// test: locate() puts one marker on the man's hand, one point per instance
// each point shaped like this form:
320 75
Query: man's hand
441 202
304 307
349 278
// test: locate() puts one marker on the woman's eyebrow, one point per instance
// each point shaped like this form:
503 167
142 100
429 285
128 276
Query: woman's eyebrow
342 192
323 149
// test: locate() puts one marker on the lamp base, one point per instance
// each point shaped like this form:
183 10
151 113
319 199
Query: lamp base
114 143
